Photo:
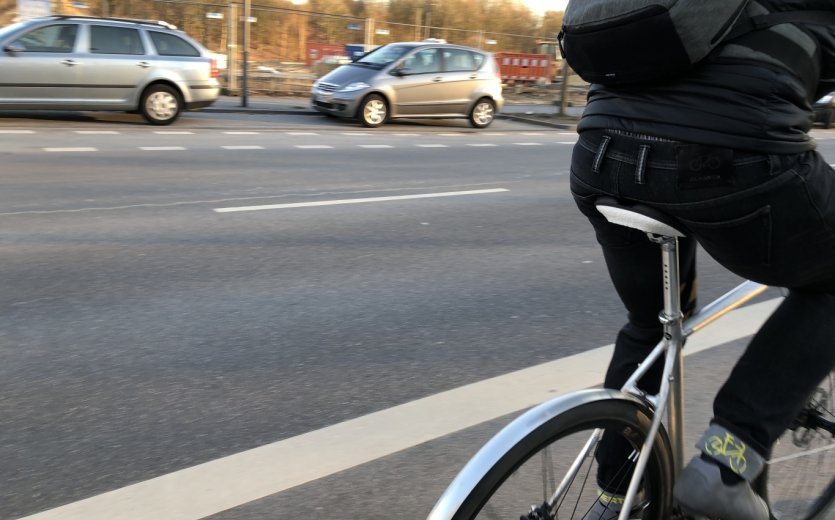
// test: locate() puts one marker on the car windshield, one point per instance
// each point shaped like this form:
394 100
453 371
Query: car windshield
382 56
9 29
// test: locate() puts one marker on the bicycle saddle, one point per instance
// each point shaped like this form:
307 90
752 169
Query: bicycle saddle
639 216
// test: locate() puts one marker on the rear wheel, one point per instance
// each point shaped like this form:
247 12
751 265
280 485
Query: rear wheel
828 117
523 482
373 111
483 113
160 105
802 462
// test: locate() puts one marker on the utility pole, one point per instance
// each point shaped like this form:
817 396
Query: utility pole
245 65
232 48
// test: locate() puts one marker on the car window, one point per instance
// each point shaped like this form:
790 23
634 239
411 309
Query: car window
115 40
457 60
51 38
172 45
424 61
382 56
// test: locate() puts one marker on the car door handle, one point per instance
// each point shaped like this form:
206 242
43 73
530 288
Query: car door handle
474 76
438 79
143 64
69 63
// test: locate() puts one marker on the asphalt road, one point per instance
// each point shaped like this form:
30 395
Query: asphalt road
175 296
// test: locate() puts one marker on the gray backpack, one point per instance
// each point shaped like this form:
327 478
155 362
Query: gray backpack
617 42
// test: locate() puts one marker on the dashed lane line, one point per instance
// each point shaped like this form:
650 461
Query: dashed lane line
314 146
482 145
173 132
301 133
221 484
528 144
239 132
432 146
72 149
97 132
359 201
163 148
372 146
17 132
242 147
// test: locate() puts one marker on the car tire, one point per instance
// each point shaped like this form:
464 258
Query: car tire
160 105
373 111
828 118
483 113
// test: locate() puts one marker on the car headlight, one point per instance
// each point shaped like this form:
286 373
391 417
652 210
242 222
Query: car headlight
359 85
825 100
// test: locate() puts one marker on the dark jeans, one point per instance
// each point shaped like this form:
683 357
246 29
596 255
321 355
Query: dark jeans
767 218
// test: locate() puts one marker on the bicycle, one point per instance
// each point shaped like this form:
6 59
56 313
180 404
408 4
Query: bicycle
542 466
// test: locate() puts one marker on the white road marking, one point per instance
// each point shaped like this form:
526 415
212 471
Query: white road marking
357 133
360 201
72 149
532 133
241 133
528 144
17 131
313 146
173 132
449 135
163 148
493 133
221 484
566 142
482 145
301 133
431 146
97 132
375 146
407 135
242 147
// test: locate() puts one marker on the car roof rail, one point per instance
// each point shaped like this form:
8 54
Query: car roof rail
158 23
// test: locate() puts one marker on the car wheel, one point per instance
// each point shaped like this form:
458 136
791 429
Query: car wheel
373 111
483 113
160 105
828 117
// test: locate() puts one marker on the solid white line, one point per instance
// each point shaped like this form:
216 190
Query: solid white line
482 145
221 484
76 149
360 201
173 132
375 146
431 146
162 148
241 133
313 146
528 144
96 132
17 131
243 147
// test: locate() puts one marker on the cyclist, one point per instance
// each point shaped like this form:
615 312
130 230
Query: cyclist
725 150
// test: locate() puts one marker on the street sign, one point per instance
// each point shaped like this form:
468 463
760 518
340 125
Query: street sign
33 9
215 16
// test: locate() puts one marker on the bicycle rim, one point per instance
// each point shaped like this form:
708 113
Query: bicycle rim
802 463
530 472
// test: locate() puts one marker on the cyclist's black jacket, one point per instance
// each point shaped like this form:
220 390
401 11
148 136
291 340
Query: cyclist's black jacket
735 99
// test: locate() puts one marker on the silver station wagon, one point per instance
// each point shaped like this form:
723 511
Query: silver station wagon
85 63
413 80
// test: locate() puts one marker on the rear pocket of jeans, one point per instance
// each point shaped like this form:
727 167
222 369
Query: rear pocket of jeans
739 242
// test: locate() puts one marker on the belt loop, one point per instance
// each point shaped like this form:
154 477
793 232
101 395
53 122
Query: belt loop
601 151
640 168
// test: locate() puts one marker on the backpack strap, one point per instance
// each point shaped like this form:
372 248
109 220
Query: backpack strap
763 21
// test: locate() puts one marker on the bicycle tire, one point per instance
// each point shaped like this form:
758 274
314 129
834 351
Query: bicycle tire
492 496
802 463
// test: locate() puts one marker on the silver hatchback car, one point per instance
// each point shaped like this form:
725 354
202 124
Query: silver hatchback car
85 63
413 80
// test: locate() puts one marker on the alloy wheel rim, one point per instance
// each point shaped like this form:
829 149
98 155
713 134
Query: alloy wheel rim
375 111
483 114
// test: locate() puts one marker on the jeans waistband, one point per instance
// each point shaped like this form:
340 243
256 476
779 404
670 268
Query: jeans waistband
658 152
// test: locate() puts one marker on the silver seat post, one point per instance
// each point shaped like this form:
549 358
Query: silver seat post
671 317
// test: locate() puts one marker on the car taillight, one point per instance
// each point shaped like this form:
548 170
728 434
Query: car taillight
213 68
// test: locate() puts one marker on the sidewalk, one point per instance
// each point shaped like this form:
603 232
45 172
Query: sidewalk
533 112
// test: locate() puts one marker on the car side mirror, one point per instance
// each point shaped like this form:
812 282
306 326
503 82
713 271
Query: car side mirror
14 47
402 71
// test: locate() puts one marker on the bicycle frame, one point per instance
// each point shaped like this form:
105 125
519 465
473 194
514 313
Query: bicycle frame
670 395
